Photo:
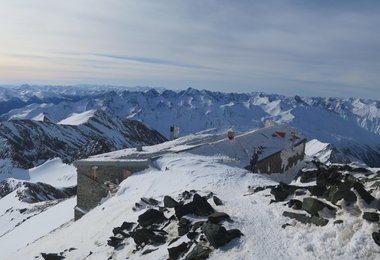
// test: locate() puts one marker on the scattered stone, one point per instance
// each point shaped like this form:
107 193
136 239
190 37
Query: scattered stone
199 207
115 242
51 256
285 225
341 191
217 201
199 252
184 226
148 251
169 202
192 235
312 206
371 216
145 236
282 191
22 210
218 217
365 195
186 195
197 225
376 237
338 221
127 225
295 204
217 235
177 251
305 219
317 190
151 216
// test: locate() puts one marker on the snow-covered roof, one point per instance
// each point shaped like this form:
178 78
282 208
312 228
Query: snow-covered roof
267 141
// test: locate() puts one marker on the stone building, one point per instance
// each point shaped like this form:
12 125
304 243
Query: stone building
97 178
274 149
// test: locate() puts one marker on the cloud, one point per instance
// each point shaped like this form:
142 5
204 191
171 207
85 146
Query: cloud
289 47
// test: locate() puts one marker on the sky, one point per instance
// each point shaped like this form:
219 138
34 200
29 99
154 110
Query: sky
308 48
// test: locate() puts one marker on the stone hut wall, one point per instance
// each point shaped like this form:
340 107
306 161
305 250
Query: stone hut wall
92 186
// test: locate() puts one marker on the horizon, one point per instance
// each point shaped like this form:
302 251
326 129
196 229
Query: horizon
311 49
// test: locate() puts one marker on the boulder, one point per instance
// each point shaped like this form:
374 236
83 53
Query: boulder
371 216
218 217
307 176
184 226
217 201
317 190
312 206
169 202
198 253
145 236
148 251
282 191
151 216
115 242
217 235
192 235
365 195
52 256
295 204
177 251
197 225
305 219
201 207
127 225
376 237
341 191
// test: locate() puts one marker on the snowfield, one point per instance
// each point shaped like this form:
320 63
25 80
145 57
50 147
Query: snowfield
259 221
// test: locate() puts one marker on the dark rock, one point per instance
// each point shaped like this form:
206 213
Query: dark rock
307 176
365 195
150 201
151 216
186 195
192 235
201 207
361 170
217 235
305 219
317 190
146 236
115 242
218 217
183 210
173 240
341 191
329 177
177 251
295 204
127 225
197 225
184 226
22 210
51 256
371 216
119 230
285 225
199 252
312 206
209 196
282 191
300 192
376 237
169 202
148 251
338 221
217 201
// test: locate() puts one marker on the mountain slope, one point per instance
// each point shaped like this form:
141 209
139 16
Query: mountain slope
266 234
27 143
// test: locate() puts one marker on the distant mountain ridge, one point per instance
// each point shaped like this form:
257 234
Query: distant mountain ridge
27 143
351 125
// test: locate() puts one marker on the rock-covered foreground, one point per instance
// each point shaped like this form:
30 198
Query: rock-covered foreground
328 193
151 217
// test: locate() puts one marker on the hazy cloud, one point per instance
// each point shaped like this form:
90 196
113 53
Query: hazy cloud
288 47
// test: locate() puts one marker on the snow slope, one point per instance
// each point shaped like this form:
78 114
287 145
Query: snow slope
260 221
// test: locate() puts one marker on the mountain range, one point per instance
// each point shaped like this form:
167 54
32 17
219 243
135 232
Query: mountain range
351 126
